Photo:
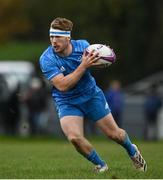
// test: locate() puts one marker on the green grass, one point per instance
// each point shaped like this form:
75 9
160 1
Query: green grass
53 158
29 51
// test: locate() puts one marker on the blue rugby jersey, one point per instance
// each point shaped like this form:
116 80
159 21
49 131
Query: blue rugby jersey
52 64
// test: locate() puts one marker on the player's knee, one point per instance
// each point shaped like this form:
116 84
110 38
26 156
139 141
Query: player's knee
117 135
75 139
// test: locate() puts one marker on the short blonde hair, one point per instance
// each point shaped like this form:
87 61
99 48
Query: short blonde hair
62 24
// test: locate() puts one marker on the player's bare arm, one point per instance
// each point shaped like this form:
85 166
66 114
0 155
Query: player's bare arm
64 83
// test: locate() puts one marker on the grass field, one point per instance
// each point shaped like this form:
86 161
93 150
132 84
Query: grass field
55 158
29 51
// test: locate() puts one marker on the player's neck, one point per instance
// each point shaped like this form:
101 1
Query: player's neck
67 51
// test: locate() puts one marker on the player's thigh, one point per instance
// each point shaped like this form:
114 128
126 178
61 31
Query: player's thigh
72 125
108 125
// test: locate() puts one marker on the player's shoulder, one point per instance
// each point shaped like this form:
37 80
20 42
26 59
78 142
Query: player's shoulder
47 53
46 58
80 44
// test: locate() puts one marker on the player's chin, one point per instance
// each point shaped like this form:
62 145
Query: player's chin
57 50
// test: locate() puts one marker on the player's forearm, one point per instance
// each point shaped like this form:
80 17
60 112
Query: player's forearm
72 79
64 83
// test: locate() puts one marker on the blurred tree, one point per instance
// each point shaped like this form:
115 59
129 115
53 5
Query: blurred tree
134 29
13 19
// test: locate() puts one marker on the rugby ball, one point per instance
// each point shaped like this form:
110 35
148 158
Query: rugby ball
106 54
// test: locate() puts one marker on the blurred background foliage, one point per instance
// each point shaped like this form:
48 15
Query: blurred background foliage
134 29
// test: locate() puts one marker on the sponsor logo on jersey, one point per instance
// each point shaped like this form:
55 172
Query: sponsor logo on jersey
106 106
62 69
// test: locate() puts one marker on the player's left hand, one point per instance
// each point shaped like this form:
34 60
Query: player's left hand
89 59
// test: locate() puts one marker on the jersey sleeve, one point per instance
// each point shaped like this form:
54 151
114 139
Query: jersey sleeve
48 68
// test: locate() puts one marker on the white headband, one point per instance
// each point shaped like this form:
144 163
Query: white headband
57 32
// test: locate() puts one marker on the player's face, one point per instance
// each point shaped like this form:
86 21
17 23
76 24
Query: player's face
59 43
